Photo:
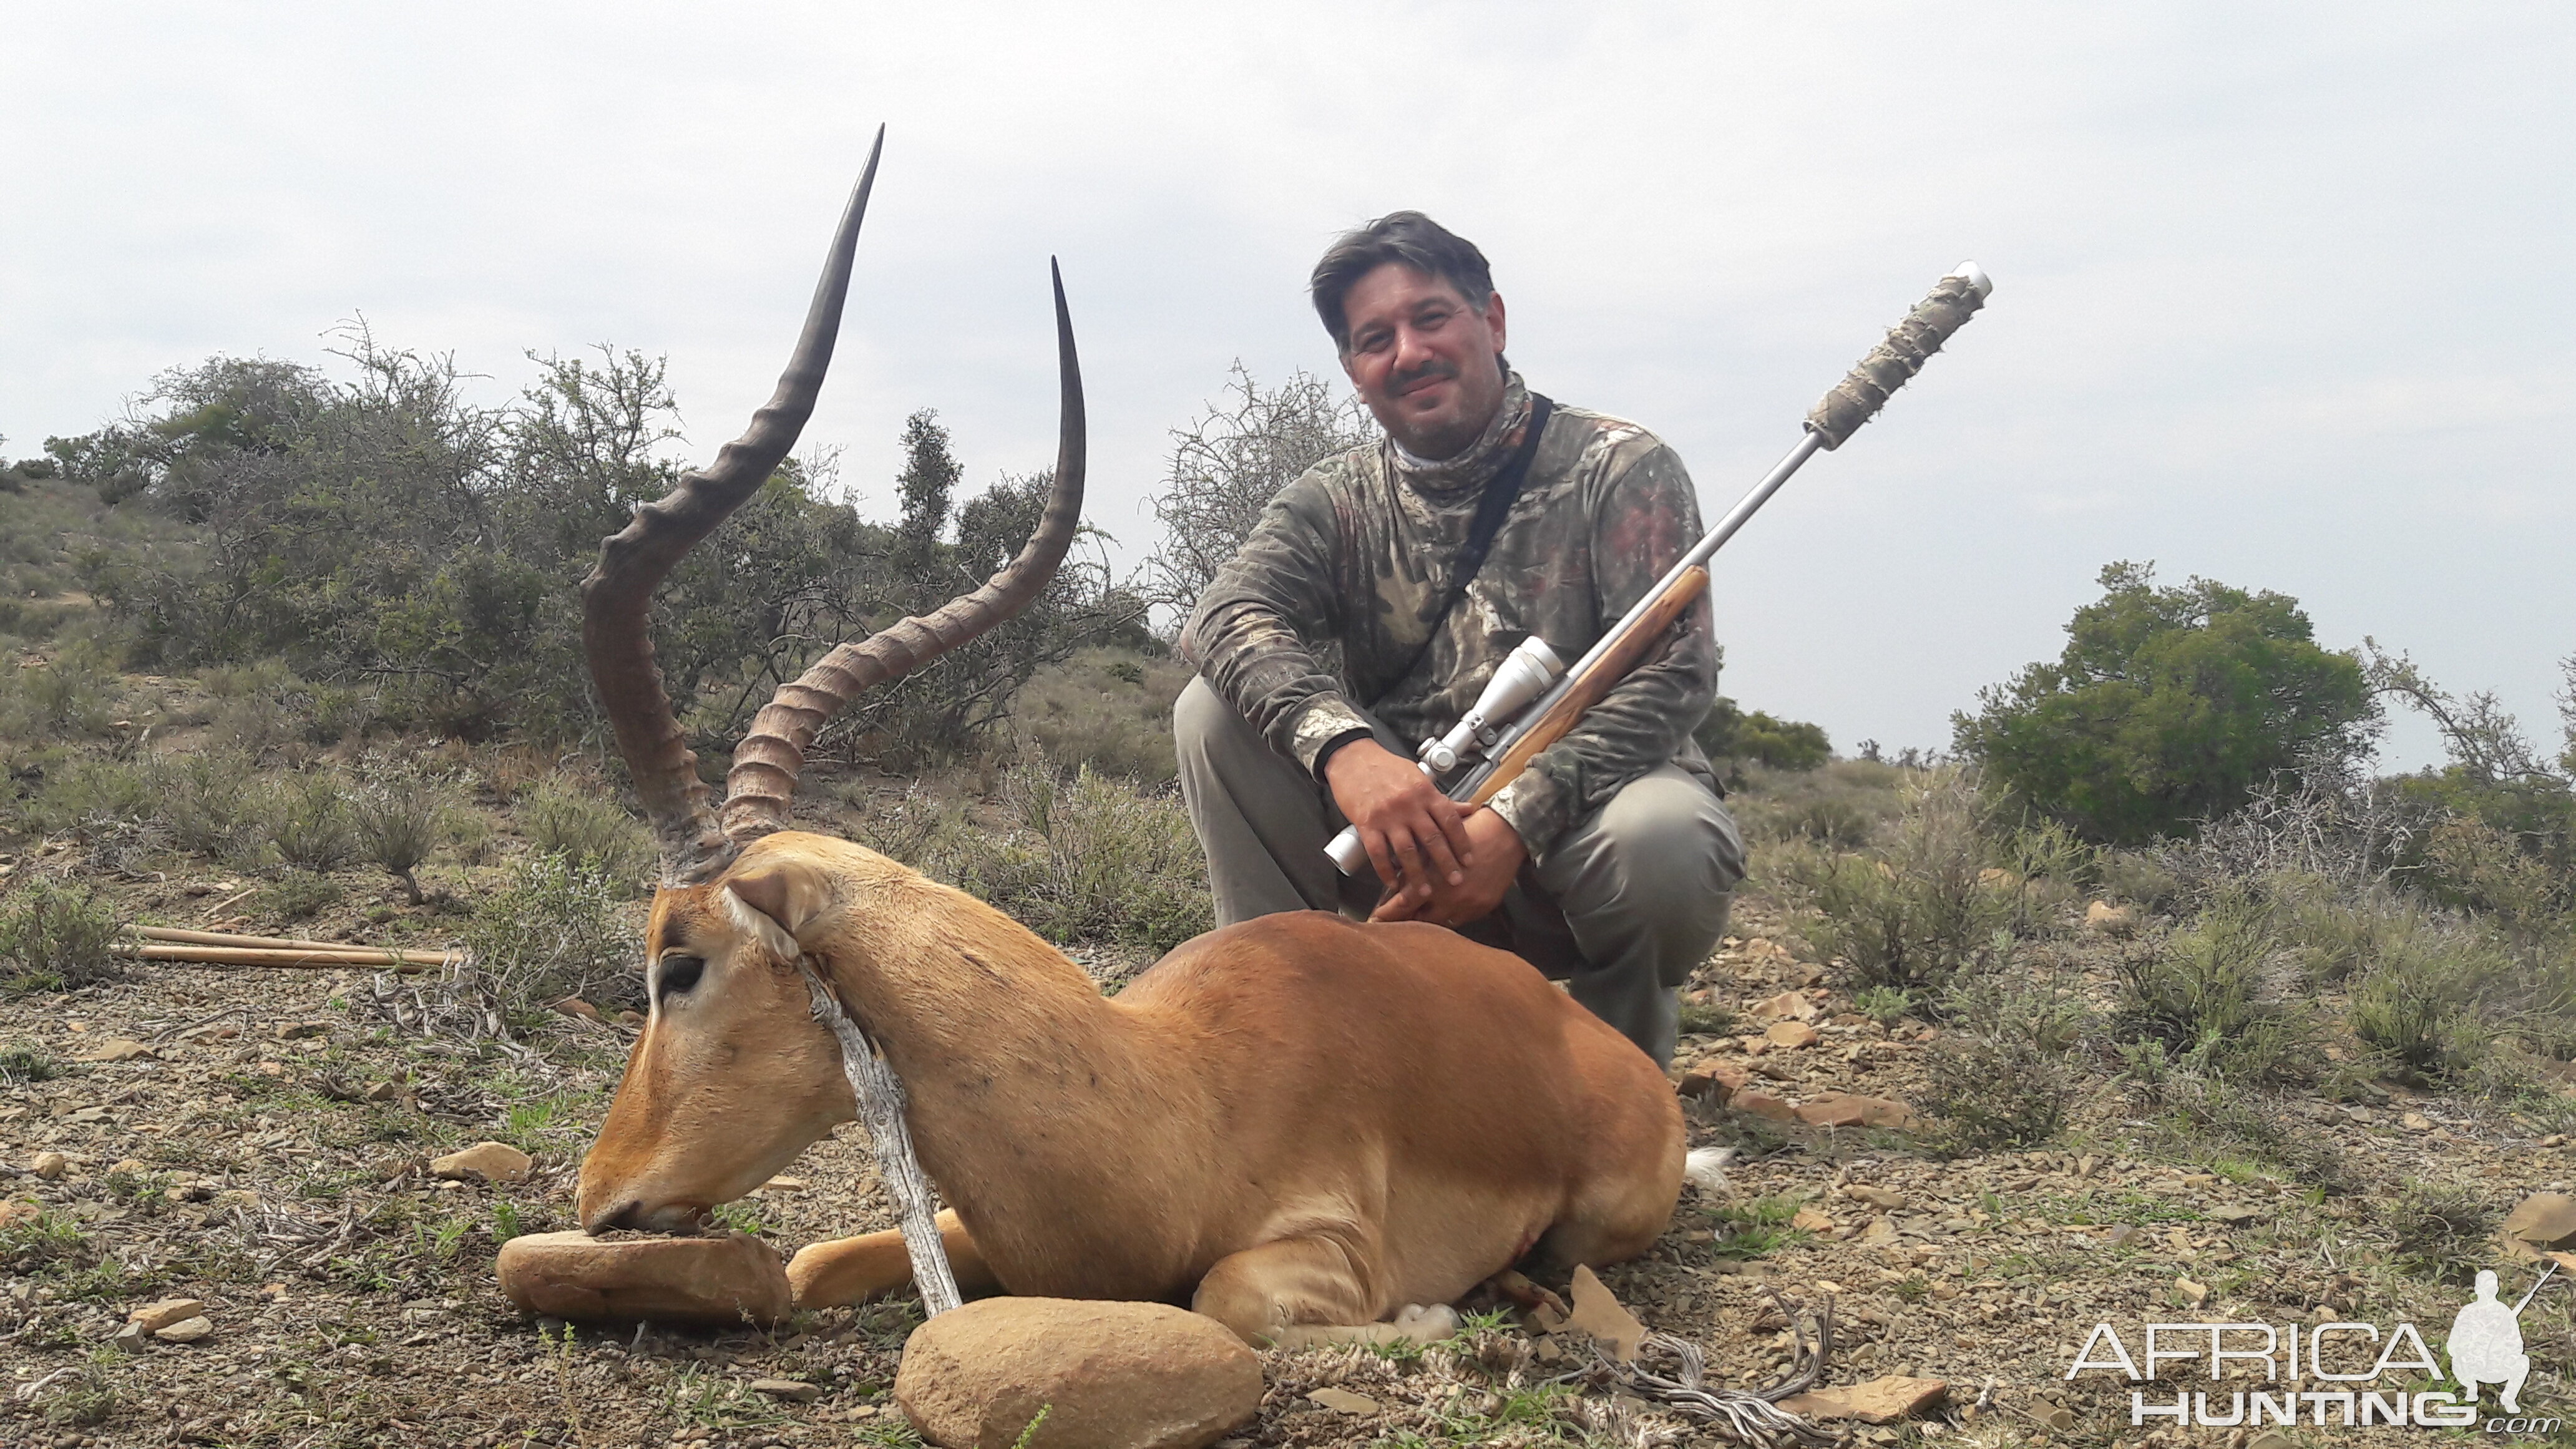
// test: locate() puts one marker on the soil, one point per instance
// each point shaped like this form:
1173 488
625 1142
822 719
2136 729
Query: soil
267 1154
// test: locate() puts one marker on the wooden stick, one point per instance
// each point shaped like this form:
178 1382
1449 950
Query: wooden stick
881 1104
265 956
227 938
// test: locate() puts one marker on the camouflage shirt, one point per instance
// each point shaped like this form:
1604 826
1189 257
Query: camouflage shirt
1360 551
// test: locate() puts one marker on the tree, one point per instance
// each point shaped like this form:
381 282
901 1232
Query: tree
2168 708
1731 737
1231 463
928 479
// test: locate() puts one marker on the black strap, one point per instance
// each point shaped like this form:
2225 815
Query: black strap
1504 487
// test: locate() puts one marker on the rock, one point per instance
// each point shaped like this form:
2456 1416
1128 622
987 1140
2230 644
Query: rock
630 1018
1714 1081
2544 1220
128 1166
1763 1104
1599 1314
785 1184
712 1280
2415 1122
1343 1401
1877 1197
1841 1109
20 1211
2236 1212
186 1330
488 1161
116 1049
157 1316
2272 1439
2056 1418
1880 1233
385 1092
2111 920
50 1165
2123 1235
2192 1293
1811 1220
1789 1034
795 1391
1879 1401
1135 1375
130 1338
299 1030
575 1006
1791 1005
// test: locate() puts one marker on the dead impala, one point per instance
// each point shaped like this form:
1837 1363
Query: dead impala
1291 1123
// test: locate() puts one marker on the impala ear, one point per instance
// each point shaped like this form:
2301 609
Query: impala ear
777 900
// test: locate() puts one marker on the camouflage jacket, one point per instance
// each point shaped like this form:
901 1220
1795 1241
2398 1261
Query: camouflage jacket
1359 551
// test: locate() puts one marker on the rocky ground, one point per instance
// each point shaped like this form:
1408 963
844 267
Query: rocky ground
260 1141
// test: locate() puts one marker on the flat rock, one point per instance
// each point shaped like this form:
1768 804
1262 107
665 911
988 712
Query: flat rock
116 1049
711 1280
1789 1005
1715 1081
1110 1375
2544 1219
155 1317
793 1390
487 1161
1343 1401
186 1330
1841 1109
20 1211
2111 920
2236 1213
1763 1104
1789 1034
49 1165
1877 1197
1599 1313
1880 1401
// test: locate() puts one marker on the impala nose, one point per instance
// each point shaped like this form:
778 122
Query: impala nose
627 1214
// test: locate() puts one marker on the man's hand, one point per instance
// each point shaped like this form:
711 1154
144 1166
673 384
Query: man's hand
1415 836
1496 854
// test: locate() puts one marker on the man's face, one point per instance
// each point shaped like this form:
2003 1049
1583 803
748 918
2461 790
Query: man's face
1423 360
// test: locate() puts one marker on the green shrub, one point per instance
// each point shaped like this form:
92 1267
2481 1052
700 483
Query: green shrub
2417 997
298 895
22 1062
1090 858
579 821
2168 708
2008 1076
1732 738
56 938
89 789
2477 867
1916 910
213 805
1842 804
399 814
75 695
2442 1231
1108 710
557 930
2139 879
2206 990
311 824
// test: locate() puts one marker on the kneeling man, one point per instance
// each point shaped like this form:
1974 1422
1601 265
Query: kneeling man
1610 863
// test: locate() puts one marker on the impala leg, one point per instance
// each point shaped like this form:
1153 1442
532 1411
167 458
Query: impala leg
1298 1292
872 1265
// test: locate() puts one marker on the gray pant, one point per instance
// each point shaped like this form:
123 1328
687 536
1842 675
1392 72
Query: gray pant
1630 901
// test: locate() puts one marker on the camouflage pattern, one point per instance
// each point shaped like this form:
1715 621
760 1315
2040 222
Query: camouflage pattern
1360 550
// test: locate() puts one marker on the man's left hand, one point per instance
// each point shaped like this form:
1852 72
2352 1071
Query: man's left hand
1498 858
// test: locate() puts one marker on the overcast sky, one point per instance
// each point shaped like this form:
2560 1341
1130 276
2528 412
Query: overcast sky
2283 292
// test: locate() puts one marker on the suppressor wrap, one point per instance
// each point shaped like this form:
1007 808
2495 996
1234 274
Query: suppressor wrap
1858 397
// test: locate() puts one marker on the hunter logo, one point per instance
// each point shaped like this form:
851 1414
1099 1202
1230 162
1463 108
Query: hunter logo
2361 1371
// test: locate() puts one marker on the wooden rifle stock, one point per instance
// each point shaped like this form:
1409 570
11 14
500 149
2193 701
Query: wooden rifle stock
1645 633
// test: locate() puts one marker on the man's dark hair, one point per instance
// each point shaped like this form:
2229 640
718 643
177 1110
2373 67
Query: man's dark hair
1399 236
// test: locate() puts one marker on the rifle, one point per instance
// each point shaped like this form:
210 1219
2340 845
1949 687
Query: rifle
1533 699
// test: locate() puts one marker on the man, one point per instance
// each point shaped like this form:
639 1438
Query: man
1610 863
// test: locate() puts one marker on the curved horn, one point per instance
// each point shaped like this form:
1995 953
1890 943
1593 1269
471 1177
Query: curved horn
765 766
617 597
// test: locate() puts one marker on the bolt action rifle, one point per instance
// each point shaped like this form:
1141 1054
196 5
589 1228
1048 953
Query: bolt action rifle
1533 699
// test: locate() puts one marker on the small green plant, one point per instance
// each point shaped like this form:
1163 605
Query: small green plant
2006 1080
47 1240
1920 908
1755 1229
90 1398
2207 991
398 815
24 1062
310 823
56 937
576 820
1031 1432
738 1216
1885 1005
2441 1231
298 895
556 930
212 805
1706 1018
506 1223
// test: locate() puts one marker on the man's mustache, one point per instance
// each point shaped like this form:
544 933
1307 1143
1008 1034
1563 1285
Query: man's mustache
1402 381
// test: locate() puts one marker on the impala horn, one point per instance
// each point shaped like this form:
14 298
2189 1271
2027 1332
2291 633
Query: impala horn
617 598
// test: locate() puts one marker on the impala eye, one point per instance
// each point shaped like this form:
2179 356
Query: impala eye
678 974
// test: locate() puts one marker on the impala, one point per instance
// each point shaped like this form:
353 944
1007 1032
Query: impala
1291 1124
